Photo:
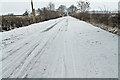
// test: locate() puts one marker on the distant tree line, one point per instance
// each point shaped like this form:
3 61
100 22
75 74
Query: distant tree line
107 21
81 11
12 21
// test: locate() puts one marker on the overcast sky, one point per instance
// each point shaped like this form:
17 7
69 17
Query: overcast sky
19 6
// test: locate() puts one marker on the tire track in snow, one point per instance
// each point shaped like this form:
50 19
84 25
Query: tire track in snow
52 26
15 68
19 54
54 65
20 63
23 60
23 46
39 55
11 52
41 51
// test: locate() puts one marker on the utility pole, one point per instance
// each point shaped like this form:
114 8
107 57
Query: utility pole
33 11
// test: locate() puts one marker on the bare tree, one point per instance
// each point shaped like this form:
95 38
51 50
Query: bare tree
104 10
26 13
72 9
83 6
62 9
51 6
39 11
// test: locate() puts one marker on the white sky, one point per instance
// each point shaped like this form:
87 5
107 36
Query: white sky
19 6
57 0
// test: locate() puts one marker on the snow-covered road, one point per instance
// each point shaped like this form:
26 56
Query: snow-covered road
59 48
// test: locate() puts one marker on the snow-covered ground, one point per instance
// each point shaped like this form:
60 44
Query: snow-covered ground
59 48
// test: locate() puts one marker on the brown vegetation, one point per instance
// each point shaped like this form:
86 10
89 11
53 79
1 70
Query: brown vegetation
109 22
10 22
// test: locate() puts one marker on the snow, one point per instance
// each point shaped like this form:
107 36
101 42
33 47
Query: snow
59 48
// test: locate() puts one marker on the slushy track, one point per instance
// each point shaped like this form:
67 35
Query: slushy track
67 48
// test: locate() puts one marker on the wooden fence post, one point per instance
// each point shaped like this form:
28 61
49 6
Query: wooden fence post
33 11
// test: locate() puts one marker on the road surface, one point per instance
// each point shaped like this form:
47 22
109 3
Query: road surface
59 48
